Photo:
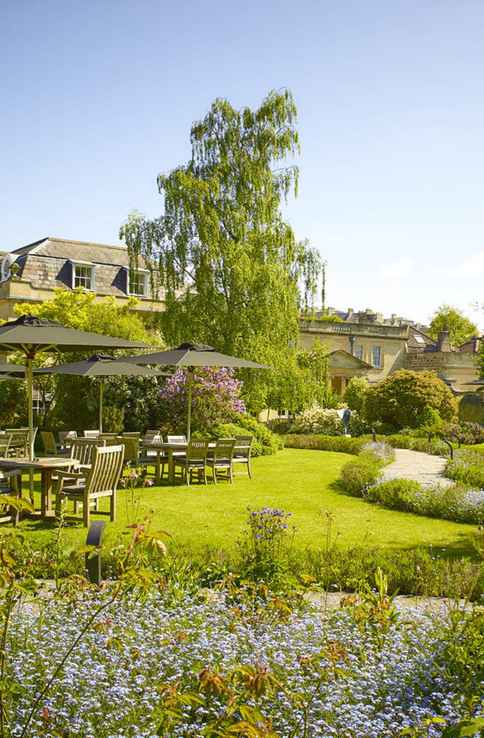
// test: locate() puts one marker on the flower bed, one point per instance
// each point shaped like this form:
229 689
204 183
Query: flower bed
151 668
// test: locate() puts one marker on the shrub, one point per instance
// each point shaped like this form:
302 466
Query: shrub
340 444
405 397
264 442
358 475
464 432
215 398
471 408
396 494
318 420
358 426
434 446
468 467
448 503
355 394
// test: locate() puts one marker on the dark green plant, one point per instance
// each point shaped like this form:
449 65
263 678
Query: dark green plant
405 397
467 466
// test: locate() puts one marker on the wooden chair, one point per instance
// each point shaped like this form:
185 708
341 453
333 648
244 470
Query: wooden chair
242 452
220 459
49 443
99 482
151 457
66 438
10 486
194 461
82 449
20 440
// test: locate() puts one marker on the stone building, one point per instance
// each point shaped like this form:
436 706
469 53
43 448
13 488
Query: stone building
32 272
361 343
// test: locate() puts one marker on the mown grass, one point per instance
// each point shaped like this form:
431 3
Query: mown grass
302 482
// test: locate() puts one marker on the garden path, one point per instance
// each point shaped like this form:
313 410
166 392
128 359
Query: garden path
415 465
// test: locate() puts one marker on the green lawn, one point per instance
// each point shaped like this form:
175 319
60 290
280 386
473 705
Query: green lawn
298 481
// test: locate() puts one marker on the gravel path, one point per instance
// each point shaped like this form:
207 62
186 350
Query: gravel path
423 468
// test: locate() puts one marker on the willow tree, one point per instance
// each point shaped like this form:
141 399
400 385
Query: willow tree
231 271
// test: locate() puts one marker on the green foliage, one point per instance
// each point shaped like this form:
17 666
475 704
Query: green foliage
233 274
74 403
80 309
434 446
464 657
467 466
262 547
355 394
318 420
404 398
264 441
342 444
358 475
471 407
12 404
315 375
448 318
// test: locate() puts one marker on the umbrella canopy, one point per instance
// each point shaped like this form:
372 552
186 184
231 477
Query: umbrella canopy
14 369
33 335
193 354
190 355
101 366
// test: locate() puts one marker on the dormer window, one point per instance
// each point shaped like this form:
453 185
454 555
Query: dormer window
83 275
138 282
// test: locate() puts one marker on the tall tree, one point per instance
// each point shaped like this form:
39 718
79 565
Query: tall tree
232 272
448 318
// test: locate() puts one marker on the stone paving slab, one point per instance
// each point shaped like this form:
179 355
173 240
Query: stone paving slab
417 466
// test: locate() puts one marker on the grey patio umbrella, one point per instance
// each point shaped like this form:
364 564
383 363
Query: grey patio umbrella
190 355
101 366
32 335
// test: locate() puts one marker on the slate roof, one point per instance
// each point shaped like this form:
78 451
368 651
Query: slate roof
97 253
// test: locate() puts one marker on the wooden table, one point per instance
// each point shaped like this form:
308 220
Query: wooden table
47 466
167 449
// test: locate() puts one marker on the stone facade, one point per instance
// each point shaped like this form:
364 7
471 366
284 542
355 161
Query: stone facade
31 273
360 343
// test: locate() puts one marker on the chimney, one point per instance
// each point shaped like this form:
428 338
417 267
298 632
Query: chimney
443 342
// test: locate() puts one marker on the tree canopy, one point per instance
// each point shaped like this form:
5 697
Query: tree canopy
448 318
233 274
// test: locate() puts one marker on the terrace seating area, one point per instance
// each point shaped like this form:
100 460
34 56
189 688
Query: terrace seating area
86 467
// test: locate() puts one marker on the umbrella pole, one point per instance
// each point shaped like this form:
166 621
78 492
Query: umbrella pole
101 398
29 379
189 408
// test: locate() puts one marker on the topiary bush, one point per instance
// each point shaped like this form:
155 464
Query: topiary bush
355 394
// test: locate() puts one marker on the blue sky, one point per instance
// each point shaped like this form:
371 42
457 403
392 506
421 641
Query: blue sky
98 97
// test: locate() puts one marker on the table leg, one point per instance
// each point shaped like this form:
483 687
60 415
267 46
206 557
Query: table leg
158 468
46 492
171 466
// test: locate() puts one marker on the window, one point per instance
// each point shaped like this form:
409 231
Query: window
83 275
138 282
359 352
376 356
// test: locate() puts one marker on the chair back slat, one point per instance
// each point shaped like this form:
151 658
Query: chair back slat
82 449
152 436
224 449
107 466
197 451
243 446
4 444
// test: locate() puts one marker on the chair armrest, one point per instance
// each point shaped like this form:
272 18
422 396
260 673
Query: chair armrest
69 475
